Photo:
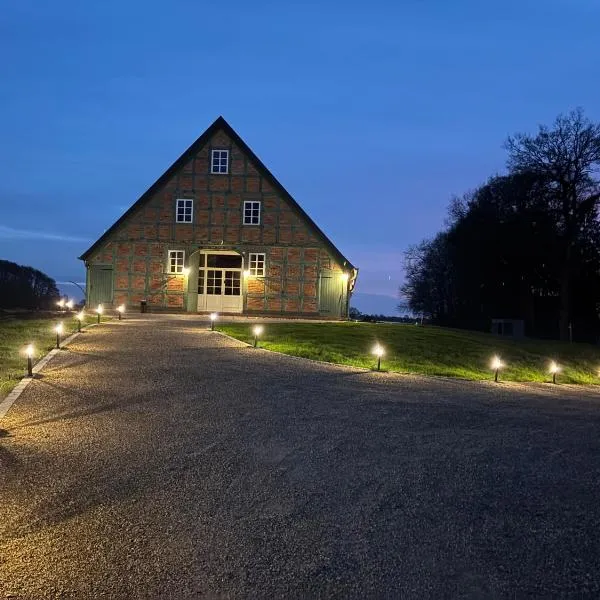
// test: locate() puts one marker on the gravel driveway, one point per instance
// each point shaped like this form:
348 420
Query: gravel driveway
154 458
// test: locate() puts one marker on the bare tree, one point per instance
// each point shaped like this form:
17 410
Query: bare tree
567 158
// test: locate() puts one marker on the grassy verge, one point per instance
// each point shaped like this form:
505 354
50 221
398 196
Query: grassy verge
16 334
427 350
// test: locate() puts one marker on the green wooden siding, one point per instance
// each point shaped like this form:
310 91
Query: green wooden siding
100 285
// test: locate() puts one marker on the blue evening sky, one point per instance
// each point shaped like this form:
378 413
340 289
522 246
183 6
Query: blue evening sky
372 114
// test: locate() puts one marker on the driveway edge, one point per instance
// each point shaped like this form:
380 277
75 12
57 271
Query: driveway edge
6 404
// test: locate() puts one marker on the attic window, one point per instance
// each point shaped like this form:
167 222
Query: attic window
251 212
220 161
183 212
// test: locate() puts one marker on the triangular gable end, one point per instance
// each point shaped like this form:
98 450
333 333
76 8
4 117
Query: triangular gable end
218 125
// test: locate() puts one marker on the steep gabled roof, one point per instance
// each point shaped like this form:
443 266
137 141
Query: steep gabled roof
219 125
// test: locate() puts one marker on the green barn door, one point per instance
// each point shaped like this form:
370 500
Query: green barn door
101 285
330 294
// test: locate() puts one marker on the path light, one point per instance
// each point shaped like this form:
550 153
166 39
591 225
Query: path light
121 310
378 351
79 316
213 318
496 365
99 310
554 369
70 304
258 329
29 354
59 330
61 303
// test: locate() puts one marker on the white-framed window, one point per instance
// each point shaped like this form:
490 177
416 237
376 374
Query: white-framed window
251 212
176 261
256 264
220 161
184 211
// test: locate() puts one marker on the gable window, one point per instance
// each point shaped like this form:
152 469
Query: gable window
176 261
256 264
220 161
251 212
184 211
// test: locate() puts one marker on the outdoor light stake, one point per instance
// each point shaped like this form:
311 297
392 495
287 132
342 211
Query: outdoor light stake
497 364
554 369
30 361
378 352
58 332
257 332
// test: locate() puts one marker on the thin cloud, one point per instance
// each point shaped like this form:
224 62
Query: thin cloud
10 233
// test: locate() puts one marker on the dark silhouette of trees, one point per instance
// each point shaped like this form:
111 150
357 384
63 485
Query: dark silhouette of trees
26 288
525 245
567 159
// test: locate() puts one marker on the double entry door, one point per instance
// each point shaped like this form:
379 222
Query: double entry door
220 282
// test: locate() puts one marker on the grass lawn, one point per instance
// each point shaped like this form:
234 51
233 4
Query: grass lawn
427 350
16 334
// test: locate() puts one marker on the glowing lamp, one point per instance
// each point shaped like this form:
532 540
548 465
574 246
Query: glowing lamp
247 273
59 330
61 303
554 368
121 310
345 277
99 310
213 318
496 365
186 271
257 330
70 304
378 351
29 354
79 316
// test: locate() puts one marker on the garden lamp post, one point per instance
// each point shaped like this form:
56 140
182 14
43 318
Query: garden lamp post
213 318
554 369
99 310
378 351
497 364
257 331
121 310
59 330
79 316
29 353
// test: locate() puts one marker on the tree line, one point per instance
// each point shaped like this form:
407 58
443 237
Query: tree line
525 245
26 288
